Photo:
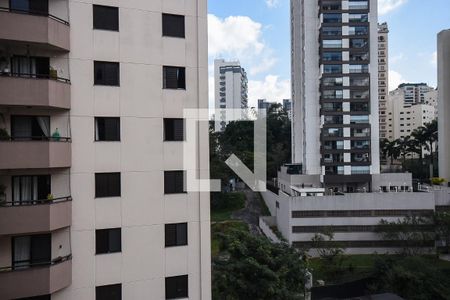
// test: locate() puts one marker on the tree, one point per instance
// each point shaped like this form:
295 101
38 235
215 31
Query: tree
411 277
413 233
442 228
254 268
431 137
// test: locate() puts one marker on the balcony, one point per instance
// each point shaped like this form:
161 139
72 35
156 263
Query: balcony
35 154
34 92
41 279
35 216
39 29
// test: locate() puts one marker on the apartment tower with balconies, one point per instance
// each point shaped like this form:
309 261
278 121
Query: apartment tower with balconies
383 76
335 91
93 197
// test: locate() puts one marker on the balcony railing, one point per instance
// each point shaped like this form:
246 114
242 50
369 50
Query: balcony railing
34 13
39 279
39 152
35 216
35 76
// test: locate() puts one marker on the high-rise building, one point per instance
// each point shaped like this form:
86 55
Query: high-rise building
335 91
443 55
264 104
287 106
231 90
414 93
402 120
93 203
383 75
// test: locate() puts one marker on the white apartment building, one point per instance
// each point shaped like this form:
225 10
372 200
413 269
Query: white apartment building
231 90
334 181
414 93
402 120
93 203
335 102
443 46
383 75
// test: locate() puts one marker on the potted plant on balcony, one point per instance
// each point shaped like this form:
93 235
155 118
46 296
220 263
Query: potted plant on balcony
4 135
2 194
53 73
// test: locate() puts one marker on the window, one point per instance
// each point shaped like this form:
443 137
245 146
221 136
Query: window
25 189
107 185
106 17
173 182
174 129
176 234
108 292
173 25
177 287
30 127
107 129
31 6
174 78
108 241
30 66
30 250
106 73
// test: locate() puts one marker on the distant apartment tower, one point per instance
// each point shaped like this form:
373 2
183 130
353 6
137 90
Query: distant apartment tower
231 90
383 75
287 106
402 120
93 203
444 102
264 104
335 91
415 93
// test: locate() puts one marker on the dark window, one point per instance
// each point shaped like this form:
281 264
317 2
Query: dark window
174 78
30 66
108 292
177 287
30 127
173 182
107 129
176 234
107 185
29 188
173 25
106 17
106 73
174 129
32 6
108 241
31 250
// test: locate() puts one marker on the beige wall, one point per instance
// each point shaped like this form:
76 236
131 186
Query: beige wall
140 156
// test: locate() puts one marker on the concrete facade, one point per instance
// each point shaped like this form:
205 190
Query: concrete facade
444 102
383 75
335 102
141 155
231 91
402 120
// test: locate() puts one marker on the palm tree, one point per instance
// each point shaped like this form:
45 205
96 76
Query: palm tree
390 149
419 135
431 137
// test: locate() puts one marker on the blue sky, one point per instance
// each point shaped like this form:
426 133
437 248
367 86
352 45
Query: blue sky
257 32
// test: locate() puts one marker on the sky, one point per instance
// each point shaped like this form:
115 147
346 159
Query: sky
257 33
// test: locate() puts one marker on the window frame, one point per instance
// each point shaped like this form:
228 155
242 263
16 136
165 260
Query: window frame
99 250
118 134
174 136
180 78
115 27
175 189
111 193
106 82
179 293
165 30
181 237
104 287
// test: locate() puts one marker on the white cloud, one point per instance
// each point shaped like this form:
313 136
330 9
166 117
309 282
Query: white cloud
234 36
387 6
271 88
434 58
396 58
395 79
272 3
